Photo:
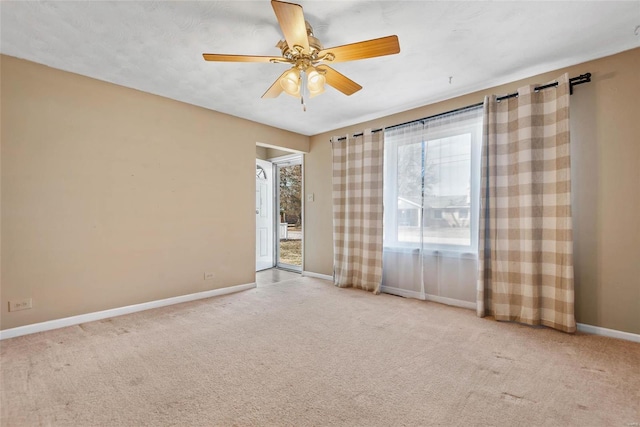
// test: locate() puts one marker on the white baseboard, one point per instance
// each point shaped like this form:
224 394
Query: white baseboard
317 275
611 333
427 297
451 301
99 315
401 292
588 329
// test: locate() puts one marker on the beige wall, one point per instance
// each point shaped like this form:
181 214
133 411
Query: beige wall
112 197
606 180
261 153
266 153
273 153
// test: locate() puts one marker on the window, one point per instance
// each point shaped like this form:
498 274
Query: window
260 173
432 175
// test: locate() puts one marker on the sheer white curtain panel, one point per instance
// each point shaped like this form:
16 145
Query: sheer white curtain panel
431 193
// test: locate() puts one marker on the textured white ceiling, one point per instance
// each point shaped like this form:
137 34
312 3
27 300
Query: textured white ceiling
157 46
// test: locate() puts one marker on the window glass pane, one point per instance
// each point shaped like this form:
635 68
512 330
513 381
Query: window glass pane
409 169
431 187
447 191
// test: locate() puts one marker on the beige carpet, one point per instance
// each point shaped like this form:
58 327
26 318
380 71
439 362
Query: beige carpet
303 352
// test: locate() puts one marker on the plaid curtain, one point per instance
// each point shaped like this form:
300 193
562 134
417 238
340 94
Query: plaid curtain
525 243
357 211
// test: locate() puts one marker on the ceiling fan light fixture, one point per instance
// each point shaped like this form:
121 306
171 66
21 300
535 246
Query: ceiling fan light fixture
315 81
290 82
301 49
313 93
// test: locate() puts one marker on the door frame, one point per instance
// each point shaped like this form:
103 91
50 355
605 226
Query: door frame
288 160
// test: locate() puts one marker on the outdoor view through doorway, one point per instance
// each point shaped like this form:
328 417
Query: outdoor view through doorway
289 190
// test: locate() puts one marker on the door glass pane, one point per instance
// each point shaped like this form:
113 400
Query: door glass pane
290 211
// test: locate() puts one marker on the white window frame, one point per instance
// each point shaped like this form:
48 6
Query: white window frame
391 180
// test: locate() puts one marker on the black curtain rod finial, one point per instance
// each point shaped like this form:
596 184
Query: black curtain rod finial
582 78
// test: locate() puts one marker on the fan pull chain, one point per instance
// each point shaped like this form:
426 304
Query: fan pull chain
303 90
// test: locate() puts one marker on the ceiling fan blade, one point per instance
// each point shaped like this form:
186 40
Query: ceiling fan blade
238 58
368 49
291 20
276 89
339 81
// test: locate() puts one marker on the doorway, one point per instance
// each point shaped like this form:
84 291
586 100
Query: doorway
288 183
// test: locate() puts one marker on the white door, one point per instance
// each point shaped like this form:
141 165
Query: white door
264 215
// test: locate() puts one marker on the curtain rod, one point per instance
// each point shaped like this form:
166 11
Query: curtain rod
573 81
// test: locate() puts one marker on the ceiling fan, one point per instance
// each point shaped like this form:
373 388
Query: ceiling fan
308 57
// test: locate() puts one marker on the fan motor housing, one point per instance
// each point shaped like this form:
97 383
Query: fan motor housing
314 46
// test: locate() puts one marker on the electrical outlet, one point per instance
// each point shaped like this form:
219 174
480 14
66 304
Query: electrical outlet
208 276
20 304
310 197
